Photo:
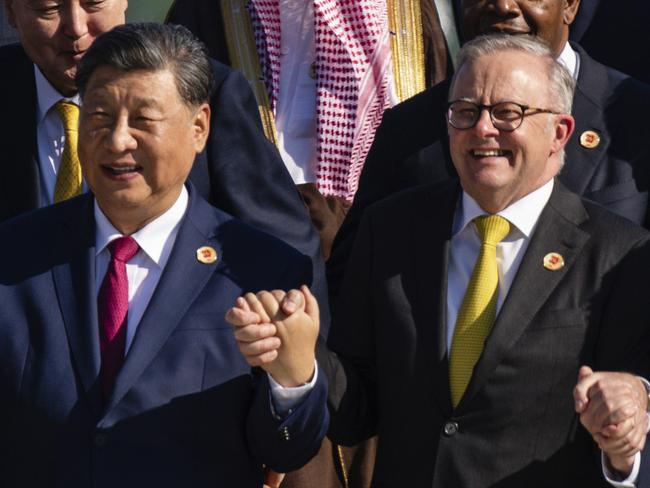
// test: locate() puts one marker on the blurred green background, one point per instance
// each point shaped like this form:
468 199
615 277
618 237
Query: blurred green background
142 10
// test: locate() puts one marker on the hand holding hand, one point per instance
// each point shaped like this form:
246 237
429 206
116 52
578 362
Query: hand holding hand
612 407
278 332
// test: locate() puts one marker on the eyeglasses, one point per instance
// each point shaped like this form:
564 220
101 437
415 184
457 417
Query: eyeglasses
506 116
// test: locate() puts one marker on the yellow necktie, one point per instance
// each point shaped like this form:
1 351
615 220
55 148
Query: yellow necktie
68 179
478 310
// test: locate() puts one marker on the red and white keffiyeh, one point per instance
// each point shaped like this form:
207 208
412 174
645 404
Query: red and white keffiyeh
353 66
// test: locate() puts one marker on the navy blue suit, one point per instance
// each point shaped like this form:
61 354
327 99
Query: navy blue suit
411 148
186 409
239 171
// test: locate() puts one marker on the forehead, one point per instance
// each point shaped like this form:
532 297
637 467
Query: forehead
151 85
507 75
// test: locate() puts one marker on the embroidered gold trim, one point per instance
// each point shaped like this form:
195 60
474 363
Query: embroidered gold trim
344 471
243 56
407 46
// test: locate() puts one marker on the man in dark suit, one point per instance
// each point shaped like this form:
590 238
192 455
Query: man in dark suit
239 171
461 348
606 157
119 369
615 34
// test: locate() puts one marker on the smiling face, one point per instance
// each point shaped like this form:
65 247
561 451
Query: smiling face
137 143
495 167
56 33
547 19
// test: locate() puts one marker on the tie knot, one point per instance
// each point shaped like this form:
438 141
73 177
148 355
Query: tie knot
69 113
492 229
123 248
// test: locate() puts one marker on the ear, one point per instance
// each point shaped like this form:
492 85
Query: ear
570 11
201 127
11 16
564 127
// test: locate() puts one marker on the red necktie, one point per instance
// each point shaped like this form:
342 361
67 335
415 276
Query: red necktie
113 307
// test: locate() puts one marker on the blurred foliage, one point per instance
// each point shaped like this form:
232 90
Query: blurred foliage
147 10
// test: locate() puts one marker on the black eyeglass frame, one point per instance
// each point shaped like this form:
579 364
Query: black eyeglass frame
490 108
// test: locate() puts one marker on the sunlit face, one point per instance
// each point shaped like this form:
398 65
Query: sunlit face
546 19
137 141
57 33
497 167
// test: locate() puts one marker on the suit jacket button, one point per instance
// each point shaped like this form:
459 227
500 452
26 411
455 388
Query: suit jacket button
450 428
100 439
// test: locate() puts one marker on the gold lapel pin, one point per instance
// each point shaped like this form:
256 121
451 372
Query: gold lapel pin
553 261
206 255
589 139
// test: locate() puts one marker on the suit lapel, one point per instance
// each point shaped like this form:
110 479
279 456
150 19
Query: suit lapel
74 281
588 109
180 283
557 231
431 242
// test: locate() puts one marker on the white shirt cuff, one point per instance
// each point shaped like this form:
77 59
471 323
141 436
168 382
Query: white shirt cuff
630 481
286 399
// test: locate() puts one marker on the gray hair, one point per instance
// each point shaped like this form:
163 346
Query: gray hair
561 83
150 46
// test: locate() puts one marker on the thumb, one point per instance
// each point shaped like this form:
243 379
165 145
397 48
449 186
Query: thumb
584 372
581 390
292 302
311 304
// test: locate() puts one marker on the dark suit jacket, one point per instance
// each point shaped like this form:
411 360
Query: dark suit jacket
515 426
239 171
186 410
204 19
411 148
616 34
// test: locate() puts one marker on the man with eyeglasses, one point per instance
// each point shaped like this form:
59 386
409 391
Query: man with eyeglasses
470 311
608 156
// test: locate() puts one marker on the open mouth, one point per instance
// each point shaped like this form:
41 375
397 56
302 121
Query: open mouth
122 170
490 153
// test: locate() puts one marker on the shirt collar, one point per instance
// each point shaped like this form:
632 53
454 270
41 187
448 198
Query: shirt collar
570 60
152 237
47 95
523 214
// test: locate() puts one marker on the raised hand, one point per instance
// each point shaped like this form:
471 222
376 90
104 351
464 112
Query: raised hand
612 407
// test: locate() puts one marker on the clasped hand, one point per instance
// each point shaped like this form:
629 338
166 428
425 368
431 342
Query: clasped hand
612 407
277 331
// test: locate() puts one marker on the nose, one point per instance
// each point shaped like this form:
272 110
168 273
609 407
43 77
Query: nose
120 139
506 7
75 20
484 126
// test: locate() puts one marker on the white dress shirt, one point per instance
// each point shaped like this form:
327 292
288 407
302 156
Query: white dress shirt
156 240
466 244
295 111
49 134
